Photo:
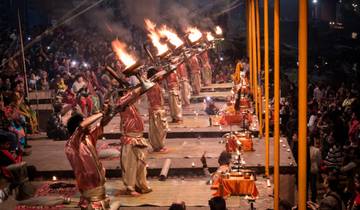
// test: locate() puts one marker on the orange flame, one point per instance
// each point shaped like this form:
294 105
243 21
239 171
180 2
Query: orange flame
209 36
120 50
194 34
155 38
171 35
218 30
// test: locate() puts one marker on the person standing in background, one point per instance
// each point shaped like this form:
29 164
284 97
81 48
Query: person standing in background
185 88
174 98
157 117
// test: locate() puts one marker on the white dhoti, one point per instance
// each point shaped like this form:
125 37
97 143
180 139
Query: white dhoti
175 105
207 75
196 83
157 129
185 90
133 167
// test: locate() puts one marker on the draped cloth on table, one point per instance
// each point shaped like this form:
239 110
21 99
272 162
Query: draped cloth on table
235 186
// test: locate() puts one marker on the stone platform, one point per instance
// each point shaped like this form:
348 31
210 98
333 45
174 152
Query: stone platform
193 126
49 158
193 191
186 142
221 87
195 123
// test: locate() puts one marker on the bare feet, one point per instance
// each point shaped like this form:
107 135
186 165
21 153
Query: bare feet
134 194
162 150
127 192
143 191
177 121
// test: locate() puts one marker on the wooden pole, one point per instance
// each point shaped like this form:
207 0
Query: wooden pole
23 57
259 67
266 68
254 56
276 102
302 103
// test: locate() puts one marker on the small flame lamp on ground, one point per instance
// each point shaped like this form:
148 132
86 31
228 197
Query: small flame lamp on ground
237 163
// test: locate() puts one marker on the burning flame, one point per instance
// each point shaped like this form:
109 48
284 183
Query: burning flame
171 35
209 36
120 50
155 38
218 30
194 34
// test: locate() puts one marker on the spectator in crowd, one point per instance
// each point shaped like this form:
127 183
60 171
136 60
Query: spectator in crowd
334 158
20 104
178 206
44 83
80 89
354 128
217 203
7 85
355 205
55 128
315 157
33 82
61 87
317 93
332 199
211 108
224 161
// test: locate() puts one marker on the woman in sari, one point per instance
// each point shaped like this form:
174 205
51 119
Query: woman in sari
24 109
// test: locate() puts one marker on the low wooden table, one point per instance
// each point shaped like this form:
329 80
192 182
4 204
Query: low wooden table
246 144
235 186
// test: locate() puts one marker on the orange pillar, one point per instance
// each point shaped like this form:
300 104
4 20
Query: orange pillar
266 68
258 43
250 47
276 102
302 103
254 55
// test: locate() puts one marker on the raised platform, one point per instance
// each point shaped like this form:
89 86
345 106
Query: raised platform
193 191
220 87
193 126
195 123
49 158
186 143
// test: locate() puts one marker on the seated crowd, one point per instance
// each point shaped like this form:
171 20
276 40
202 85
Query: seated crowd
333 141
